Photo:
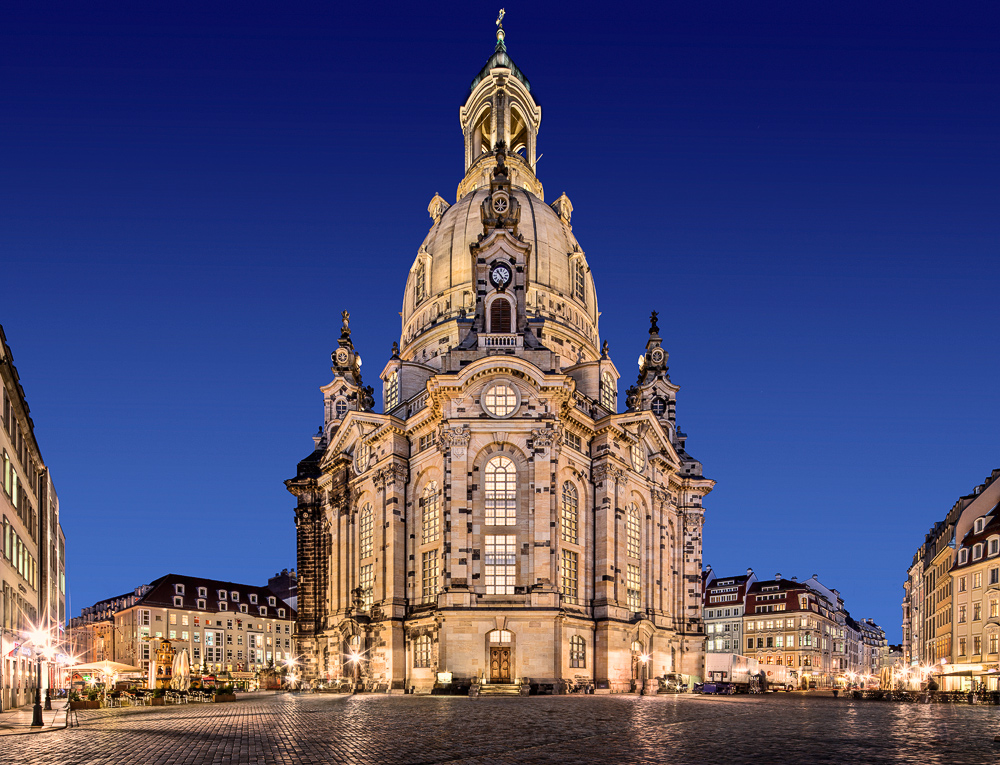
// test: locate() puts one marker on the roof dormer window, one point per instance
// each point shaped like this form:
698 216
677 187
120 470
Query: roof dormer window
963 556
977 551
178 589
203 592
234 596
994 546
271 601
253 598
980 522
244 609
178 601
223 605
222 594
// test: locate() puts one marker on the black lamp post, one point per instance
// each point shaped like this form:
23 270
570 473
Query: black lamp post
36 713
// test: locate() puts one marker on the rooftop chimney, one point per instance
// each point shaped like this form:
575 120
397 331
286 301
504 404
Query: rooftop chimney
777 577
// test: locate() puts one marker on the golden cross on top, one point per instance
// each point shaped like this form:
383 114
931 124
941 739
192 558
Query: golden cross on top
500 17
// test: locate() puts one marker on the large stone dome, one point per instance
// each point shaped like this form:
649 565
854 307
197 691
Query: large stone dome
440 290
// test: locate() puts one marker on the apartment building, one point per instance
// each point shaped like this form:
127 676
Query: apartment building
33 550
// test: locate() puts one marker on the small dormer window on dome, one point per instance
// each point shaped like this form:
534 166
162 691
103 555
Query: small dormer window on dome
609 396
420 283
392 391
980 523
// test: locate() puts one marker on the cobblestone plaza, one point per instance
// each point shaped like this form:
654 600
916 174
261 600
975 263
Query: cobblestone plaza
310 729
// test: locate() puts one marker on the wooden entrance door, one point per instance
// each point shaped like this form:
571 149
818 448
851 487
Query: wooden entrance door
499 665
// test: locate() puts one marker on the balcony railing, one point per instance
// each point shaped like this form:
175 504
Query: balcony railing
497 340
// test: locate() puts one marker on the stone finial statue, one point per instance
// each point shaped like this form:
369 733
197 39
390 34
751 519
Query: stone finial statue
654 328
632 398
604 350
395 350
345 324
368 398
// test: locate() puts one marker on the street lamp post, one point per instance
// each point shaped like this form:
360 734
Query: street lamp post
39 639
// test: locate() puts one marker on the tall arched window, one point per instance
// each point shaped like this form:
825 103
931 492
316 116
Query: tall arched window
366 529
632 531
392 391
570 513
430 516
577 652
580 281
501 492
609 396
500 316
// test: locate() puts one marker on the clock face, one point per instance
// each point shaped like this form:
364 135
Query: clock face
500 276
657 356
341 356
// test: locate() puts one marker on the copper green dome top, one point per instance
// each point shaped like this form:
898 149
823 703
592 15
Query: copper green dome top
500 58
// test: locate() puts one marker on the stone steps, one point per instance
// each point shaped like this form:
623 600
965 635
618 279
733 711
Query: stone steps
499 689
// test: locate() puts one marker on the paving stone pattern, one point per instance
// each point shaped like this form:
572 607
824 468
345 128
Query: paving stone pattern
314 729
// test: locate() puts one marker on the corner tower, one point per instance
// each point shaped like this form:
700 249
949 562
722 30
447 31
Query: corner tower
501 522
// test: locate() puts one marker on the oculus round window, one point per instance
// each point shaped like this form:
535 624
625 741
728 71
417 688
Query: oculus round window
638 456
500 204
362 458
501 399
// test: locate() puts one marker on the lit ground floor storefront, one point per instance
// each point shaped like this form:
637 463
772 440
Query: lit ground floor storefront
451 650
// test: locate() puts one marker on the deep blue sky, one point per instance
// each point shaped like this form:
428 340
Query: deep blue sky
807 192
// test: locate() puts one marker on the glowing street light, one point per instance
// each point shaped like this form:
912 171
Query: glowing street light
41 641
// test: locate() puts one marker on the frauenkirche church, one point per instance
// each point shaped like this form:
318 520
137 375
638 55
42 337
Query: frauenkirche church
500 524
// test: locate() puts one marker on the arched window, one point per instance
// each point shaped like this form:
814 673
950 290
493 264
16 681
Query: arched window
570 513
499 636
482 135
422 652
340 408
392 391
366 529
500 316
430 517
609 396
632 531
420 284
977 551
577 652
501 492
518 132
